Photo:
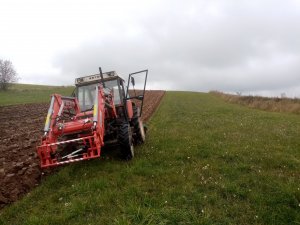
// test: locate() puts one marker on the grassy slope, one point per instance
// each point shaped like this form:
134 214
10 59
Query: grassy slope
28 93
205 162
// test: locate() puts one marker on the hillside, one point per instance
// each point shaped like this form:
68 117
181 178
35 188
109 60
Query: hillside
205 162
29 93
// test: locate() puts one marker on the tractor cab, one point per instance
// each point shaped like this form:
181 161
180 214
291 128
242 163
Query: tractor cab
86 89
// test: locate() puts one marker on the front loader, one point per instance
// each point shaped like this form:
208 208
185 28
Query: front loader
99 112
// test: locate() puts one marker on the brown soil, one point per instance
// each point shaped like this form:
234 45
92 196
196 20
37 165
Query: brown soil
151 102
20 132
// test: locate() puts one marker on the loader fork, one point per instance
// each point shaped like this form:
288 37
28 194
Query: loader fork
75 137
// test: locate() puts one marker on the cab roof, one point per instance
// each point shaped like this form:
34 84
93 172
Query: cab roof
95 78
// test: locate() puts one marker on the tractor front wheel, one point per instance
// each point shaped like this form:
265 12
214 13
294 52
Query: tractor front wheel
125 141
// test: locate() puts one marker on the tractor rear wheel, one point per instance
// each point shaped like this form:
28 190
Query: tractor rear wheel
138 127
125 141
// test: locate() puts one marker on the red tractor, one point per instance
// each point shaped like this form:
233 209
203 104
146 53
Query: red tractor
100 112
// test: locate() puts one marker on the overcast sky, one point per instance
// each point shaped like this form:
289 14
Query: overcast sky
233 45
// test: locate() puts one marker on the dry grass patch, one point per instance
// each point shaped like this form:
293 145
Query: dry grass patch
275 104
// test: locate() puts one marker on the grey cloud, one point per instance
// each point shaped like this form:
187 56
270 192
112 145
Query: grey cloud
241 46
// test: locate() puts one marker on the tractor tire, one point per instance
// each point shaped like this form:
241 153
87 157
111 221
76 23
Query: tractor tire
125 141
138 127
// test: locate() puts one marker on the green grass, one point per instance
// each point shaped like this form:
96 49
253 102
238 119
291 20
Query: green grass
204 162
28 93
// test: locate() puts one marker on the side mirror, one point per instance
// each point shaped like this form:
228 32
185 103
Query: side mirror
132 81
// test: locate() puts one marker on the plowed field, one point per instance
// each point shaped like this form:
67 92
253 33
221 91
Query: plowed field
20 131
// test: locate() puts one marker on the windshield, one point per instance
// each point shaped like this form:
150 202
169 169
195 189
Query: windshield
86 94
113 84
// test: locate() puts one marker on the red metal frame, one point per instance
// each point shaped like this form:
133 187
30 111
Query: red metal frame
88 126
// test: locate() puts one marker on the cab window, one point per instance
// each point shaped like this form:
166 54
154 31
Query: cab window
86 94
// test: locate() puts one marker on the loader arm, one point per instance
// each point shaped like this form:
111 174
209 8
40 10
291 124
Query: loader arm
71 135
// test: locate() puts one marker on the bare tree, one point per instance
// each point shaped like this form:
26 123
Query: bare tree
8 74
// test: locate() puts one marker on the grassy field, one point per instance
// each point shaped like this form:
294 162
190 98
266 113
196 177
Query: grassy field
28 93
204 162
